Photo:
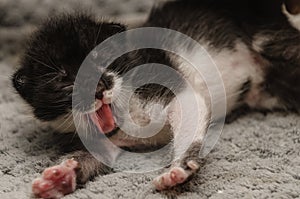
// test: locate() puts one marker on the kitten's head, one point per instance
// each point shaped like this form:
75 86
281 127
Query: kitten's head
52 59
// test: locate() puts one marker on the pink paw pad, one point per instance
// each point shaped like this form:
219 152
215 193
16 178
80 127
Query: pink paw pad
176 176
56 181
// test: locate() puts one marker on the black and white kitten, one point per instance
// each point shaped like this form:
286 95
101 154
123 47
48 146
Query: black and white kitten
255 44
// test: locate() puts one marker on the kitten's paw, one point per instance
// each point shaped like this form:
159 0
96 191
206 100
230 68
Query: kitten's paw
176 176
56 181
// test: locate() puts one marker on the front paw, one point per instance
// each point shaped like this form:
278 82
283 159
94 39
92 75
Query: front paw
177 175
56 181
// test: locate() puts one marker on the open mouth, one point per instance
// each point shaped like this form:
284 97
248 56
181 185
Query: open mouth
103 118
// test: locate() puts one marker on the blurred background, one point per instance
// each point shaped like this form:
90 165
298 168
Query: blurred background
19 17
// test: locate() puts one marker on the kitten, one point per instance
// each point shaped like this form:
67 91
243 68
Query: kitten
254 44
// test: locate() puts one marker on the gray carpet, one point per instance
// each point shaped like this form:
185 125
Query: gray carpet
257 156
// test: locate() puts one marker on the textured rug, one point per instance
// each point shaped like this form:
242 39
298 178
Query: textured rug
257 156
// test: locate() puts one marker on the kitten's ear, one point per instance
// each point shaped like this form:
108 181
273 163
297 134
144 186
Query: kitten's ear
292 6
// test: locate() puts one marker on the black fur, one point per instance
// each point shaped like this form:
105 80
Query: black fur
52 59
222 22
63 42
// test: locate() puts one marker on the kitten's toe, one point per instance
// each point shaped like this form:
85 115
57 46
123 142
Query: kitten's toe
177 175
193 165
163 181
56 181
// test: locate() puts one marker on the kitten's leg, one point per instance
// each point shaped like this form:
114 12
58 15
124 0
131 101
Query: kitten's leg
77 168
62 179
187 146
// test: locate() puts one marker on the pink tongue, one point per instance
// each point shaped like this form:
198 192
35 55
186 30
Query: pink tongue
106 120
103 119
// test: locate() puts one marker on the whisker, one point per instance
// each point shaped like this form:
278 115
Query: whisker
53 63
5 76
44 64
89 125
48 74
65 121
48 82
98 33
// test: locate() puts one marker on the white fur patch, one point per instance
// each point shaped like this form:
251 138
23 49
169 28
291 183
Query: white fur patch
235 68
189 117
63 124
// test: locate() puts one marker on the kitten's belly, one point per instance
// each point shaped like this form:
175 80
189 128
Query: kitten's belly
236 66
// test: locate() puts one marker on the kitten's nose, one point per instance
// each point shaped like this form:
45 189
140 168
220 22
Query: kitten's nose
104 84
100 90
99 95
105 96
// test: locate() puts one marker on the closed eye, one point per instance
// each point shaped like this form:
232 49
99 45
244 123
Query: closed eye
18 81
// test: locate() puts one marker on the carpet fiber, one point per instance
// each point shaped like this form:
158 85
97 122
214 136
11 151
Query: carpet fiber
257 156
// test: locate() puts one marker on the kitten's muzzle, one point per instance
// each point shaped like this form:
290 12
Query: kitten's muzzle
102 116
104 95
103 87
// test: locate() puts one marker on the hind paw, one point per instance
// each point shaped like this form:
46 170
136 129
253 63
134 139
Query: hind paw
176 175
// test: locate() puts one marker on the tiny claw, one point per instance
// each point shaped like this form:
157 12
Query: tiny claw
193 165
